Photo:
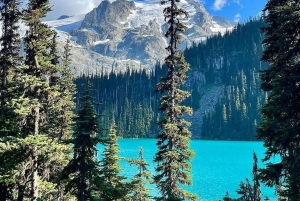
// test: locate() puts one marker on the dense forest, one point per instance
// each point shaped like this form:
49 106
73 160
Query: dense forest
48 148
49 133
231 61
130 98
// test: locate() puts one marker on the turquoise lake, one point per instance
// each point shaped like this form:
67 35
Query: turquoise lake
217 167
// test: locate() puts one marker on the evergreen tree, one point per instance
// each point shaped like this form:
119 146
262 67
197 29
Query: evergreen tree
248 191
173 156
37 61
61 119
35 151
255 178
10 59
83 171
9 62
245 190
114 187
67 90
228 198
251 192
280 126
141 179
137 116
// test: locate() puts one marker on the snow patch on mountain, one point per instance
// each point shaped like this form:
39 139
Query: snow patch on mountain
149 10
67 24
101 41
136 30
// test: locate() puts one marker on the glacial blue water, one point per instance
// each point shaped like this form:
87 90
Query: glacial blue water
217 167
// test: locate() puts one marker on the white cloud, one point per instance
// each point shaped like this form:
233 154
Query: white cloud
237 17
219 4
70 7
237 2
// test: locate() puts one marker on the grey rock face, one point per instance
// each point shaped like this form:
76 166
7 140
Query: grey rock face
63 17
142 43
85 60
207 104
223 21
86 37
106 18
127 30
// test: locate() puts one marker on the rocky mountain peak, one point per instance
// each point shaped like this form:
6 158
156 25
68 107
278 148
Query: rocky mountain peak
63 17
125 30
106 18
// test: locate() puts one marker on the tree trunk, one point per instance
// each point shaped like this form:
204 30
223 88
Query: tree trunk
34 184
59 193
3 191
21 190
82 186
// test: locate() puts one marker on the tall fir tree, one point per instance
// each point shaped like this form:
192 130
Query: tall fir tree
60 127
174 156
255 178
35 151
10 59
62 115
141 179
280 126
114 188
83 171
248 191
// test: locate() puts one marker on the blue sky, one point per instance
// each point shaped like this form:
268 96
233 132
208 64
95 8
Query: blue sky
238 10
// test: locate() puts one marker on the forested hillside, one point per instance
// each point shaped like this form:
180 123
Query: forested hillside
231 61
129 98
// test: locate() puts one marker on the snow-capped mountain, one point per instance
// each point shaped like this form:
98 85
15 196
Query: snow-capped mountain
131 33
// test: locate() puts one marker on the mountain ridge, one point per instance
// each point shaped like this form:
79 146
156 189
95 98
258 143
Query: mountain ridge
134 33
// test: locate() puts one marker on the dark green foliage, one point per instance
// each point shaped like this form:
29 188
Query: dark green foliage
114 187
245 190
10 43
236 115
248 191
228 198
61 119
35 106
35 109
255 178
129 97
32 103
174 156
236 60
280 126
141 179
67 90
9 61
83 171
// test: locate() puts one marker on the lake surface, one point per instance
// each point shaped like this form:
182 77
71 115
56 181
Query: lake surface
217 167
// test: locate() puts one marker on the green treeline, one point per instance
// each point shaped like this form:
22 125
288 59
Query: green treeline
231 61
129 98
48 148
